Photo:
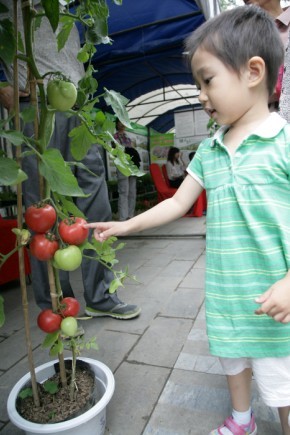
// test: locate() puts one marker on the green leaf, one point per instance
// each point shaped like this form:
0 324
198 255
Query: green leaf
58 174
118 102
62 37
26 392
67 206
51 8
50 387
10 173
3 8
2 314
50 339
56 348
8 43
48 128
15 137
28 114
82 139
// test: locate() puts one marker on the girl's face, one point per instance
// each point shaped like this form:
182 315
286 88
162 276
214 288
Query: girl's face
224 94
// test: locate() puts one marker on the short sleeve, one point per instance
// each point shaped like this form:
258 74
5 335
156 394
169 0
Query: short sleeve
195 167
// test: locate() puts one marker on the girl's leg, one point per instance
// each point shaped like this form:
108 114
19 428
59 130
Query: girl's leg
240 390
284 419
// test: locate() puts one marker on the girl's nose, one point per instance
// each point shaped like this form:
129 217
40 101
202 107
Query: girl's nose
202 96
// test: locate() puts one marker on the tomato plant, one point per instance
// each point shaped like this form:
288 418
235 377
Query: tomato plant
61 94
69 326
43 246
72 230
48 321
69 307
69 258
40 218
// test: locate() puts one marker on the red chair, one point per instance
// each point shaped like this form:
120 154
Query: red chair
10 269
163 191
165 175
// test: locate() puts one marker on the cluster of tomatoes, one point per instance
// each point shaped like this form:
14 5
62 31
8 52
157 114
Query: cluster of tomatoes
63 320
44 244
63 249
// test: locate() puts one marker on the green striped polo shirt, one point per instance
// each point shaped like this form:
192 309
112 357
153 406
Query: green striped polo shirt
248 237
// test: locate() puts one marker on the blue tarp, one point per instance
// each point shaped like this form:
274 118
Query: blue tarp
146 53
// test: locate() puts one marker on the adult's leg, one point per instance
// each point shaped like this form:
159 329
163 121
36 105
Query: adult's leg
132 196
123 191
96 207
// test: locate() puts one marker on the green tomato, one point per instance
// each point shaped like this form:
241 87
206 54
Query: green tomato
69 258
61 95
69 326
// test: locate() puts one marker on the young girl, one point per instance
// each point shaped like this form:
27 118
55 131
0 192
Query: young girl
245 169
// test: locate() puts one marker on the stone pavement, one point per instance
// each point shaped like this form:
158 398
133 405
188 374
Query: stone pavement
166 381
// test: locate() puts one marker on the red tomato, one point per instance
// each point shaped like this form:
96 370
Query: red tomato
43 246
69 307
48 321
40 218
72 231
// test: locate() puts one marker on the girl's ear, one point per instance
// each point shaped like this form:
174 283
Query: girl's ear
256 71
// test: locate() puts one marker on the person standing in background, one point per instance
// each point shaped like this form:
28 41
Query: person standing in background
279 101
127 186
96 277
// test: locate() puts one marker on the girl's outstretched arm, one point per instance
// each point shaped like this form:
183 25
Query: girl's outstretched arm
164 212
275 302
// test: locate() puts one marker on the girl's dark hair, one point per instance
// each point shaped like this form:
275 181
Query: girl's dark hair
171 153
238 34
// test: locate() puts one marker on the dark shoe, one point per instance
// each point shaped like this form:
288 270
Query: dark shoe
119 311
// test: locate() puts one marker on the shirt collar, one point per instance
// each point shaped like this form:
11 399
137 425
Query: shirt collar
269 128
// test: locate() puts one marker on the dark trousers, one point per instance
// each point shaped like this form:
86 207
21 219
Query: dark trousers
96 207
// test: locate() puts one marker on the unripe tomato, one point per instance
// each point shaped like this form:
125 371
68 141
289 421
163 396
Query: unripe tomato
40 218
69 307
61 94
43 246
72 230
69 326
69 258
48 321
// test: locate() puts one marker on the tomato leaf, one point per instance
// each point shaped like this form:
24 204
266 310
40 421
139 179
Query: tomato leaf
118 102
8 42
51 8
67 205
82 139
50 339
15 137
10 173
58 174
28 114
50 387
67 25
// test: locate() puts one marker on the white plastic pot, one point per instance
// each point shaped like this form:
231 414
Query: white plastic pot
91 422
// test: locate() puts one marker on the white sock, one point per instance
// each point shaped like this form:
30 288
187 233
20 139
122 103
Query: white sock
240 418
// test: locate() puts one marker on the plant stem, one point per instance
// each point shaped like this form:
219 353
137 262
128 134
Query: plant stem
73 370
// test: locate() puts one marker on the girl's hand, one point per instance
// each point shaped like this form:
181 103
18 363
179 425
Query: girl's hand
275 302
104 230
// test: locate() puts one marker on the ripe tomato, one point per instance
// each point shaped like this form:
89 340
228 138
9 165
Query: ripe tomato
69 326
40 218
69 258
72 230
69 307
61 94
43 246
48 321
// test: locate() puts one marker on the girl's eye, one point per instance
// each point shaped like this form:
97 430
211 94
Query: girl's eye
207 81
